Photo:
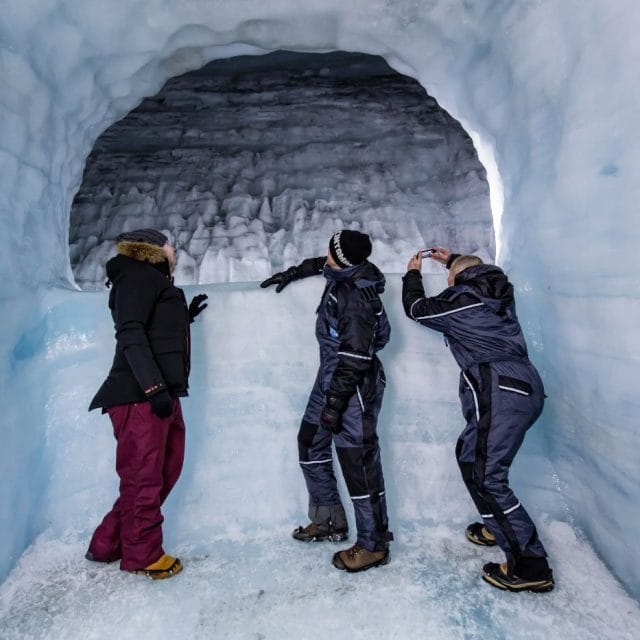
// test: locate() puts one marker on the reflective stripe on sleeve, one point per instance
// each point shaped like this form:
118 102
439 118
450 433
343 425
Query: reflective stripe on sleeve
448 313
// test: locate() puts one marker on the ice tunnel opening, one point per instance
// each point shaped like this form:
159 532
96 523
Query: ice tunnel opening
551 108
250 162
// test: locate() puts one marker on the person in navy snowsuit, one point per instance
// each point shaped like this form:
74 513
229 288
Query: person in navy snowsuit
351 327
501 395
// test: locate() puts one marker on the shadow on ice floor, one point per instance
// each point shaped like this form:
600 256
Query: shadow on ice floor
274 587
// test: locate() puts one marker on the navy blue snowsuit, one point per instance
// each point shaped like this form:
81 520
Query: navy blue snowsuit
500 391
351 328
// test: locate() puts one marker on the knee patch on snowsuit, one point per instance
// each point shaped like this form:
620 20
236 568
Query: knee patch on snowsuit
306 435
361 470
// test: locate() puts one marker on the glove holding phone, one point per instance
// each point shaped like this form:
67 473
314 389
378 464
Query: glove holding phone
439 254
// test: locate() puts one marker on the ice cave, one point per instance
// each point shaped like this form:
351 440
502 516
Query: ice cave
544 95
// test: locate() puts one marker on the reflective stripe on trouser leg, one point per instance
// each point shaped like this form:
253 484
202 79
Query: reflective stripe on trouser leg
485 466
359 456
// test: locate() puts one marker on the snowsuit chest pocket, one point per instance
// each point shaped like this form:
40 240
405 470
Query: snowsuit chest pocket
329 312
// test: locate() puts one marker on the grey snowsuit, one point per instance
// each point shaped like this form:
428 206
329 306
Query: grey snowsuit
500 391
351 328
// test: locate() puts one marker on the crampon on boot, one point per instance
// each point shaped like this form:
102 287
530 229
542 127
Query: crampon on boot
315 533
165 567
498 575
360 559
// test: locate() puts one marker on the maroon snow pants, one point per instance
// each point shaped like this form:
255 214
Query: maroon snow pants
149 456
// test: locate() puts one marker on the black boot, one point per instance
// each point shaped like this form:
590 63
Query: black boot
478 534
529 574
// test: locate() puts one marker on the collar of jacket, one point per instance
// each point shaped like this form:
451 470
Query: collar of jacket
145 252
341 274
141 251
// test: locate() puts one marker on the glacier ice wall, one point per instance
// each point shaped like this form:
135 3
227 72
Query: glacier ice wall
250 163
241 492
549 91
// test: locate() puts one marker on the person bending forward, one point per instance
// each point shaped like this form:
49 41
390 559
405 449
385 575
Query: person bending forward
501 395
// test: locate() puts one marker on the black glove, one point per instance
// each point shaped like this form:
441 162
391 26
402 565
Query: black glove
196 307
308 267
282 279
331 415
161 404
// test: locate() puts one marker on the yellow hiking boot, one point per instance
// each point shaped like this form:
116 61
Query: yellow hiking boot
165 567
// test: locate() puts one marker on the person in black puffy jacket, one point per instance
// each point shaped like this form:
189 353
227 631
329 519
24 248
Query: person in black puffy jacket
141 394
501 395
351 327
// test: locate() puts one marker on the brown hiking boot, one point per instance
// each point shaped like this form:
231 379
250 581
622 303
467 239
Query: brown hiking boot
314 533
165 567
359 559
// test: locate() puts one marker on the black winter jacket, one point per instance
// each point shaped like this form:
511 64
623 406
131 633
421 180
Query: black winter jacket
151 328
351 327
477 315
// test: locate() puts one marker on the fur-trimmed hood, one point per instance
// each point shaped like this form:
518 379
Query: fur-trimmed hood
138 252
141 251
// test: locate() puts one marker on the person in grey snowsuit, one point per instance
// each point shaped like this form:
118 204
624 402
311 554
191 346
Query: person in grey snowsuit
351 327
501 395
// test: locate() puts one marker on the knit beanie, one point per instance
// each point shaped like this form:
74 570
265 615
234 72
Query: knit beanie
149 236
349 248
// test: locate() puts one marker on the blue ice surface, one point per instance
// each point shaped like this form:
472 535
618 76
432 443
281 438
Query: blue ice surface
546 105
241 493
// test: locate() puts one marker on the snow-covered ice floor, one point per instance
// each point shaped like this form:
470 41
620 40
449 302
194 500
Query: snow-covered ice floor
241 493
275 587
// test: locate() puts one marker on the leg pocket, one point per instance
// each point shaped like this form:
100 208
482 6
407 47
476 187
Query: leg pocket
513 385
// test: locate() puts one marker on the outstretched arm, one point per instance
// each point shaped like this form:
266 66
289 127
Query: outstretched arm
307 268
